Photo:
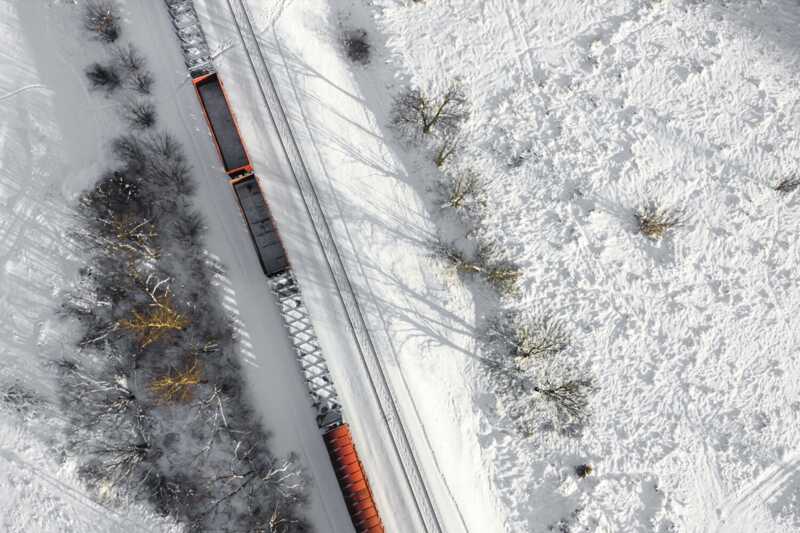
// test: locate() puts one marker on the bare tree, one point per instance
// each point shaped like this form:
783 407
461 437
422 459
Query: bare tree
103 77
570 398
159 318
460 188
418 113
787 185
448 141
140 114
100 17
178 386
500 274
129 58
356 46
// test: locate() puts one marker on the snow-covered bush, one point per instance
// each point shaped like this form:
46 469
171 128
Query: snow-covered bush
537 386
655 222
356 46
460 189
100 18
104 77
417 114
788 185
132 64
501 274
139 114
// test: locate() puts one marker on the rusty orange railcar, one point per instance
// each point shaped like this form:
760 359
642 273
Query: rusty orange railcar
353 480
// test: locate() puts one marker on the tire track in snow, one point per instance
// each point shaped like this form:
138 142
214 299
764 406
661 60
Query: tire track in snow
22 90
64 490
746 502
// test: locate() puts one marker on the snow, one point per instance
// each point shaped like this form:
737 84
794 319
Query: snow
607 105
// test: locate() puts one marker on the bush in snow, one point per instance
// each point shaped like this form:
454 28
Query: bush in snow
356 46
447 142
139 114
485 262
132 64
518 342
655 222
100 17
418 114
569 399
583 471
21 400
103 77
537 386
461 190
540 338
129 58
788 185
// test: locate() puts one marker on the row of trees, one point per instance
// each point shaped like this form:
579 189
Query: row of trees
529 357
154 394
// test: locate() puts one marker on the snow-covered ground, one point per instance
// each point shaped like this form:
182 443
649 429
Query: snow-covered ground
607 106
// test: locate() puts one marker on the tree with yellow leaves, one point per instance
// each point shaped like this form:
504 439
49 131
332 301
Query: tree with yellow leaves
177 387
159 319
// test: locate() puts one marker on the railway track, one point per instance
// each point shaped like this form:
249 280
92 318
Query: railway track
378 382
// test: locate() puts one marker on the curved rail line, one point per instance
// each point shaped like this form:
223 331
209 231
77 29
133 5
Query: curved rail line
378 381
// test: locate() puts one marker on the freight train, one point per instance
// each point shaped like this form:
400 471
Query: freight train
275 264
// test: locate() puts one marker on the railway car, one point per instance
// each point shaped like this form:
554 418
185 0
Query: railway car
260 225
222 124
352 480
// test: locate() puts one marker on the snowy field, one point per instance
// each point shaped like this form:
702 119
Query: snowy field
603 108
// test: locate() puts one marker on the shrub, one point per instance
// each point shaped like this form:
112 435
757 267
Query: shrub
103 77
583 471
570 399
141 81
460 189
655 222
417 114
356 45
100 17
540 338
129 58
500 274
139 114
132 63
788 185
